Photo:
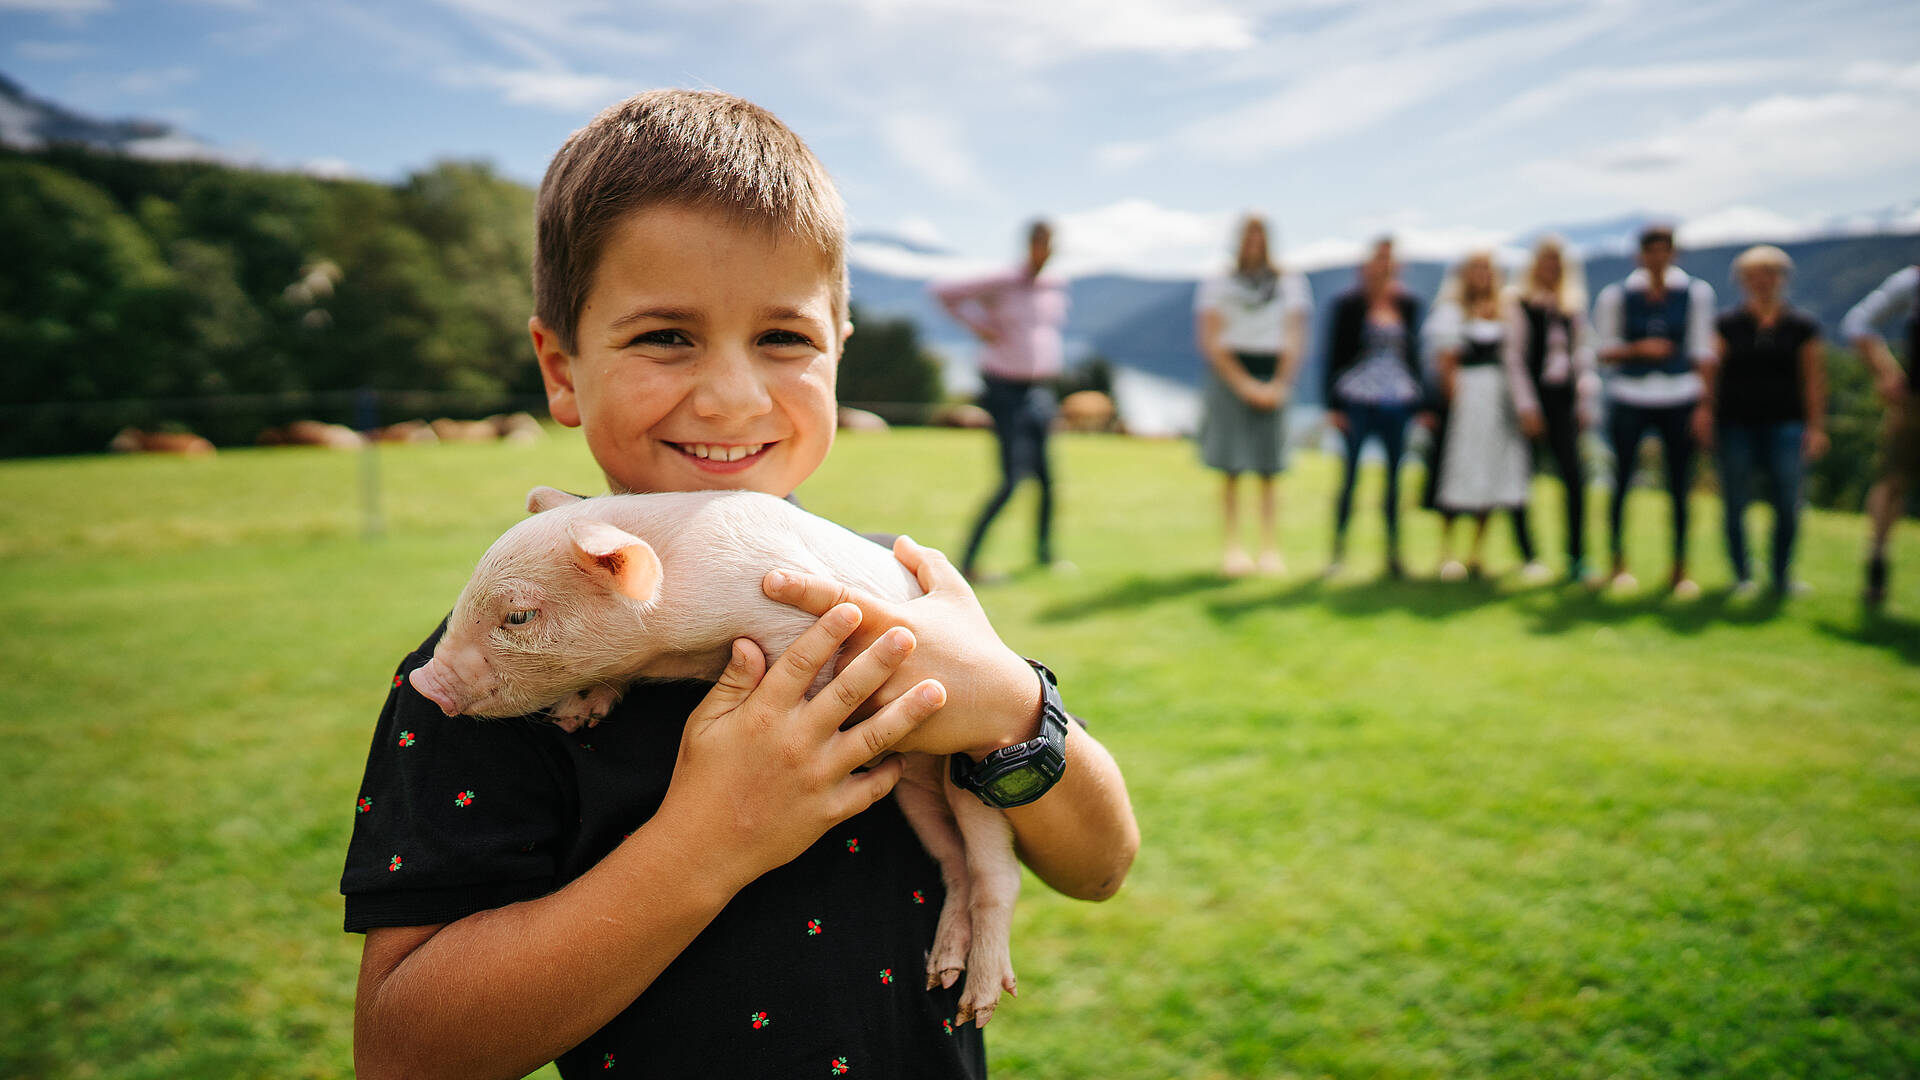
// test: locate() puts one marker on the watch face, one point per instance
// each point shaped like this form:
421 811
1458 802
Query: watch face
1017 785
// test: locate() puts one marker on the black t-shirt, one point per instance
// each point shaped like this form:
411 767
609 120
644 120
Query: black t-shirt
816 969
1760 378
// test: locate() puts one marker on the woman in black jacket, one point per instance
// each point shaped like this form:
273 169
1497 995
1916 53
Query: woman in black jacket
1372 386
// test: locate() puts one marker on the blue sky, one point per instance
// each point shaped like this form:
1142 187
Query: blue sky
1143 126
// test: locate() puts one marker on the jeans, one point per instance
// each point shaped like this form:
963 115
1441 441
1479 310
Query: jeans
1389 424
1022 415
1628 425
1776 449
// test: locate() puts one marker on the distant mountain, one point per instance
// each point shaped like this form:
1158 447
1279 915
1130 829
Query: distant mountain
28 123
1609 236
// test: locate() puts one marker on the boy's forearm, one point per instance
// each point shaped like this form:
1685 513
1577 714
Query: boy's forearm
558 968
1080 837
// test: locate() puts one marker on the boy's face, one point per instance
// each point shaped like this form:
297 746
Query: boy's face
705 358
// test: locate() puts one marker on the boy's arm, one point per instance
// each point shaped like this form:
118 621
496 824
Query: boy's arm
1080 837
763 772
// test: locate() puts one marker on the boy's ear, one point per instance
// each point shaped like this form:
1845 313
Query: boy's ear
556 371
544 498
615 558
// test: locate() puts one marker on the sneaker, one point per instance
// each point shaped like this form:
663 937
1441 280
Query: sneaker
1271 564
1793 588
1875 595
1236 564
1536 573
1623 583
1744 589
1453 570
1686 589
1063 567
1333 569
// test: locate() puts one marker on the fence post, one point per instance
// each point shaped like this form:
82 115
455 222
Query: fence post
366 408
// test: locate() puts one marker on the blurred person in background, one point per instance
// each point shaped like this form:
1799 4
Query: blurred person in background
1372 386
1655 332
1017 315
1252 324
1483 465
1765 406
1897 298
1550 371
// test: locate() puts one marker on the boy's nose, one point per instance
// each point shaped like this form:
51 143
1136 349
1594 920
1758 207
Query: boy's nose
731 387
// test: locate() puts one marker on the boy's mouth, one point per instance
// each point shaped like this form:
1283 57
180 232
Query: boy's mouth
712 454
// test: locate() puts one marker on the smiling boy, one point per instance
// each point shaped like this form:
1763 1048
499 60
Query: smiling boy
704 884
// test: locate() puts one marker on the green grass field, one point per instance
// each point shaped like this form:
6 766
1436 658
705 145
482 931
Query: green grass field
1391 829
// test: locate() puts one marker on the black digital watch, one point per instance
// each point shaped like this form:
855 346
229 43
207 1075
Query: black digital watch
1018 774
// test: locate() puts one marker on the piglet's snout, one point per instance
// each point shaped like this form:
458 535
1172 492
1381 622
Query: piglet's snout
432 682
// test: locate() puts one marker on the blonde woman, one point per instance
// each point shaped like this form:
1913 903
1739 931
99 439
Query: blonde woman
1483 464
1553 377
1252 325
1765 405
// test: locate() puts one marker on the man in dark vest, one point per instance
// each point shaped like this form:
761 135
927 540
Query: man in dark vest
1655 330
1897 298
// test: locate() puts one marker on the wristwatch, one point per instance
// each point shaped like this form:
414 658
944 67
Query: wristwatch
1018 774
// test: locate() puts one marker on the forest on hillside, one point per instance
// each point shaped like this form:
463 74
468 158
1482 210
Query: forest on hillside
194 295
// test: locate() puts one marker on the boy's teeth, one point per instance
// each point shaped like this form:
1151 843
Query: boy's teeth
722 453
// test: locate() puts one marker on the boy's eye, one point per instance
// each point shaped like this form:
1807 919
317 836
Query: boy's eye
521 617
779 338
661 337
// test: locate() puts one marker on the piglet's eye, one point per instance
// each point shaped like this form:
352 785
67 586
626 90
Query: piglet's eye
521 617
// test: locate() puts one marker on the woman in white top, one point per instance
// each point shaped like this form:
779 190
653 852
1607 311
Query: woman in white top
1252 326
1483 465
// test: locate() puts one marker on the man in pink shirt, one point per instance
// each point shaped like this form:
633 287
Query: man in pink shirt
1017 316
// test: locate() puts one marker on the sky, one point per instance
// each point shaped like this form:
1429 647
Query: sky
1143 128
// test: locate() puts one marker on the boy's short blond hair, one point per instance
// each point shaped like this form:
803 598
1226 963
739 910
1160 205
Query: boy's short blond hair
699 149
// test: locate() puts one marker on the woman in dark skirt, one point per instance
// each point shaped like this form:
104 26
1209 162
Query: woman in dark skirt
1552 375
1252 325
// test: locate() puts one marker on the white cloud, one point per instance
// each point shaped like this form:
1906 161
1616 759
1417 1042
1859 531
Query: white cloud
563 91
897 261
1116 156
151 81
330 168
1732 153
56 7
1741 224
920 230
1041 32
930 144
54 51
1874 75
1544 101
1142 237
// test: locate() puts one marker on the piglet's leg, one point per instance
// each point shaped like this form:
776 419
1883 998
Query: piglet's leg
995 874
584 708
923 802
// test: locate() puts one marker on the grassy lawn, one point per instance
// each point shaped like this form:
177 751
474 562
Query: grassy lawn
1392 829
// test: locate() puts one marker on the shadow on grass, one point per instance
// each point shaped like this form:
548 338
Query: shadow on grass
1899 636
1135 592
1425 598
1565 608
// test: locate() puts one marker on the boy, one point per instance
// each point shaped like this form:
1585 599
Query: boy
1655 330
702 884
1897 299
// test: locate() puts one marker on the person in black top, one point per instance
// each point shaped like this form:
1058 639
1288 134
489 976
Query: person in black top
1372 386
710 882
1550 370
1766 406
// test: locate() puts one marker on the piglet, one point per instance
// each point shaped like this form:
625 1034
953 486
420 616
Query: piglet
587 596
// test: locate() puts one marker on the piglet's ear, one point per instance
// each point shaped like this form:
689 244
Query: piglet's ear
617 559
543 498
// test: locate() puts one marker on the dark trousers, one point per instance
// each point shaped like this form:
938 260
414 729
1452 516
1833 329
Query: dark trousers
1627 427
1774 448
1022 415
1388 423
1563 441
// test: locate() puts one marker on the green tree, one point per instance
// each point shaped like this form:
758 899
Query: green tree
885 363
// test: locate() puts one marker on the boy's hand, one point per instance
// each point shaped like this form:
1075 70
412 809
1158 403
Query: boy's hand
763 772
993 695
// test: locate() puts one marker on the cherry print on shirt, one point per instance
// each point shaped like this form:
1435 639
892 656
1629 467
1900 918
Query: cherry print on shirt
813 927
886 975
365 804
607 1062
947 1026
840 1067
406 738
397 680
465 798
394 865
853 845
919 897
760 1020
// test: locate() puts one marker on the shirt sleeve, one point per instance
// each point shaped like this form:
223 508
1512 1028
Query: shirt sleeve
1606 319
1892 300
1299 293
1207 296
971 301
454 815
1443 330
1700 316
1513 357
